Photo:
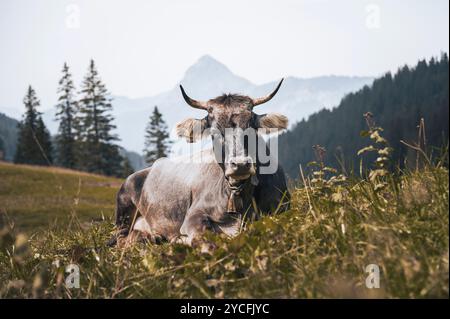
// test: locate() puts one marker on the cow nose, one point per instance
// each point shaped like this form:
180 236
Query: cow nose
241 165
238 162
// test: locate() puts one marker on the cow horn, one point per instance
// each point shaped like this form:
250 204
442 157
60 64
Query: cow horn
267 98
194 103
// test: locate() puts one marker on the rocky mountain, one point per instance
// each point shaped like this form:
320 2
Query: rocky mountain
207 78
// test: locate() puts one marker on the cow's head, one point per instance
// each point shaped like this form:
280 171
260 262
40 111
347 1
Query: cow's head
229 117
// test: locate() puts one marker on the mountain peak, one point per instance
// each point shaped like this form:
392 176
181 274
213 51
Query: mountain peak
206 65
208 77
207 59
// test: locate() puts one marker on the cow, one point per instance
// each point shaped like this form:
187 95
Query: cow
177 200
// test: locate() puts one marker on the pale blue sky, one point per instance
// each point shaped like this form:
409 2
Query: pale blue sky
142 47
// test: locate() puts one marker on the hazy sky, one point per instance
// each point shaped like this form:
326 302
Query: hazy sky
143 47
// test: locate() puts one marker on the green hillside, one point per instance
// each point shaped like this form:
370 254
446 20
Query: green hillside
398 102
34 197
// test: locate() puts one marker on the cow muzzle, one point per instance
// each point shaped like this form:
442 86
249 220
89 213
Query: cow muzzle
240 168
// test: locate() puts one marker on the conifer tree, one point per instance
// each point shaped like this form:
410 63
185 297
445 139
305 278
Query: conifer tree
98 152
66 115
45 140
34 144
157 141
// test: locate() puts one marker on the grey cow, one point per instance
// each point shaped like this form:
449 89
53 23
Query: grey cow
177 199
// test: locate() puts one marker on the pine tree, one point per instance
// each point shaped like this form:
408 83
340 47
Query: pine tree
157 141
97 152
45 141
34 144
66 115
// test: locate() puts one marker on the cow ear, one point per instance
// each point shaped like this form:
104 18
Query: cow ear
272 121
191 129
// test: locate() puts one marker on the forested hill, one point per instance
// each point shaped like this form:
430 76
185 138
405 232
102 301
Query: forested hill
397 102
8 136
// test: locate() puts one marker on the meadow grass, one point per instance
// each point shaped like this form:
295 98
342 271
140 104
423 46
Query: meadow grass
32 197
320 248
